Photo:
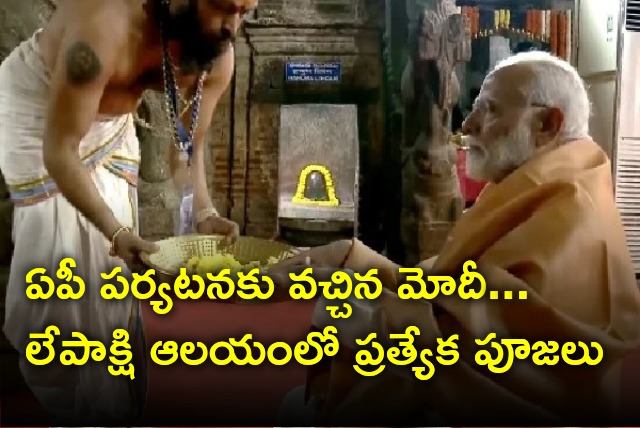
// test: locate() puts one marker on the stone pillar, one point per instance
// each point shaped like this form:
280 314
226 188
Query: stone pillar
431 197
241 133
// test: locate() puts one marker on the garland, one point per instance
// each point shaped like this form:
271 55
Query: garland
299 197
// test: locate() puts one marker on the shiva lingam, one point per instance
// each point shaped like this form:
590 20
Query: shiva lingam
318 170
322 218
315 187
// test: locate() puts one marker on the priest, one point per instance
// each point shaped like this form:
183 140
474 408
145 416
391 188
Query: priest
69 154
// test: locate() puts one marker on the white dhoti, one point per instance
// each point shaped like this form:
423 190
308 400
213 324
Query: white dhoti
47 228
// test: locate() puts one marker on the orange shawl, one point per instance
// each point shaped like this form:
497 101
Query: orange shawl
550 228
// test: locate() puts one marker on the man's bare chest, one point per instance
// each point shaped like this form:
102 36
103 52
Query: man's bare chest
122 96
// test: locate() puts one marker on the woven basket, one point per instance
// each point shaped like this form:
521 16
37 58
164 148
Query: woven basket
175 252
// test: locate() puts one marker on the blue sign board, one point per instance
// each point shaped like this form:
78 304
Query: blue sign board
313 72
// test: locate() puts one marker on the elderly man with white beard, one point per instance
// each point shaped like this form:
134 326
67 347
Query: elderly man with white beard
545 227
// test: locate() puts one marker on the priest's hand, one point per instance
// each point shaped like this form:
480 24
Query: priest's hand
128 246
216 225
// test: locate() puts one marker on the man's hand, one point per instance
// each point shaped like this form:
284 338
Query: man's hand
220 226
324 260
331 255
128 247
280 273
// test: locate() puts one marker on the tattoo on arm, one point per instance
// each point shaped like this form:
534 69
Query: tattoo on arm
83 65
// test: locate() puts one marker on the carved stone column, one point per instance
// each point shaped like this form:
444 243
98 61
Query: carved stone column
431 197
155 140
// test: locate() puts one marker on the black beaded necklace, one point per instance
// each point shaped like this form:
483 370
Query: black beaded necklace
183 140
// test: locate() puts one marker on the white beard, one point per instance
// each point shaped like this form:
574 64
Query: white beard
502 157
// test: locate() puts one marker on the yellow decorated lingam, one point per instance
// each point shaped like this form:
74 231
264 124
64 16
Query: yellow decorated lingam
315 187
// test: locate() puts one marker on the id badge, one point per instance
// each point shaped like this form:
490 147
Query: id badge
184 220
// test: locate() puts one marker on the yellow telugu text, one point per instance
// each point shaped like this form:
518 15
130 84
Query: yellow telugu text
445 285
541 353
63 291
246 351
373 360
222 286
253 285
81 351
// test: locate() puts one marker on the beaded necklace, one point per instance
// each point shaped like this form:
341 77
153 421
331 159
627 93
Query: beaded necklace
183 140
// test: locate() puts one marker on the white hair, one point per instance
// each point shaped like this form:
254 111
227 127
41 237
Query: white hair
556 83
